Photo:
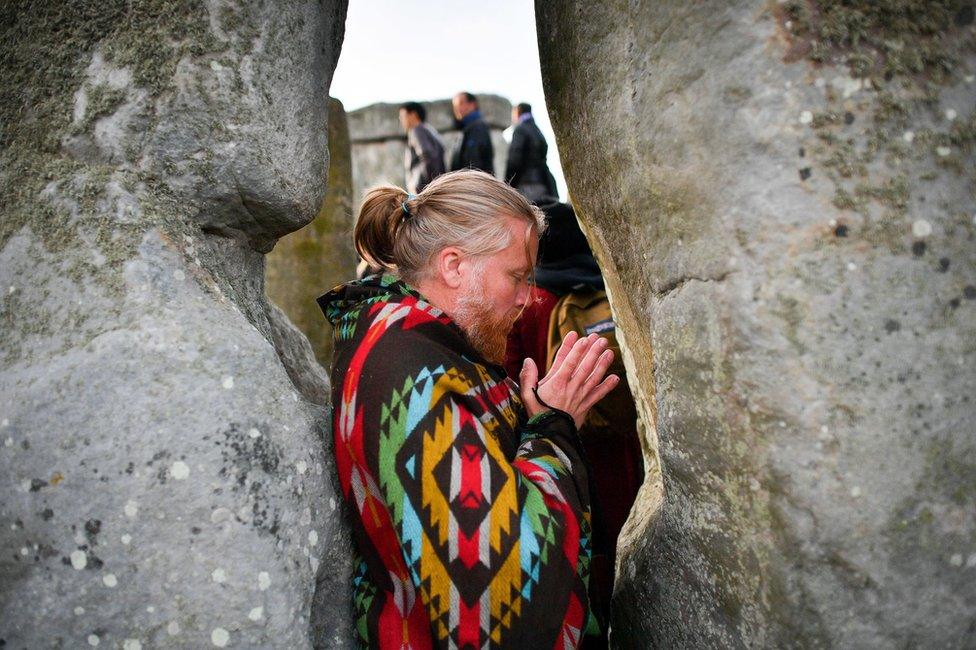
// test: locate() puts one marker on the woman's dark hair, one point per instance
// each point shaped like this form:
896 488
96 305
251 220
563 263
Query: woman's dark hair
417 108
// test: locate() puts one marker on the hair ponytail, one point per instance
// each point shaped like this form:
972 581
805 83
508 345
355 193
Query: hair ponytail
402 233
379 220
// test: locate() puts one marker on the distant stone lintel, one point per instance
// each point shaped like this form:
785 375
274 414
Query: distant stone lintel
379 122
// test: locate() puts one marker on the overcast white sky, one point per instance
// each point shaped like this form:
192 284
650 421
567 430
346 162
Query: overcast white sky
400 50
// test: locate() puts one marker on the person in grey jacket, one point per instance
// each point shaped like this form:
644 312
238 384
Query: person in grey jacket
526 169
475 150
424 158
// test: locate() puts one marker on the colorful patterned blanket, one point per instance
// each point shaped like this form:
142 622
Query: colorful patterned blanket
472 524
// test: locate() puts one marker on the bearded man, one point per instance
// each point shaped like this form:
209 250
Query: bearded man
468 492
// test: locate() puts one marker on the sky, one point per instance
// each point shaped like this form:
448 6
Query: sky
402 50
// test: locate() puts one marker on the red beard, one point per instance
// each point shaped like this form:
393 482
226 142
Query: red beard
486 330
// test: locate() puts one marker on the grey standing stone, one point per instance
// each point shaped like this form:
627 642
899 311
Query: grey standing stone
786 191
306 263
164 462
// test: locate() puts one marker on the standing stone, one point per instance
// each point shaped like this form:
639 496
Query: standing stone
782 195
378 140
321 255
163 460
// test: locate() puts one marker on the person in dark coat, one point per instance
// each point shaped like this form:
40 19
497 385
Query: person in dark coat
424 157
475 150
526 169
565 265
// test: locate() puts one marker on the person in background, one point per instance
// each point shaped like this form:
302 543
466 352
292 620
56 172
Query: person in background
526 169
569 294
424 157
475 150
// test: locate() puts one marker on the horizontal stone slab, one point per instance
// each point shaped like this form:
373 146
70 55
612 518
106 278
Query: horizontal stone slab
381 121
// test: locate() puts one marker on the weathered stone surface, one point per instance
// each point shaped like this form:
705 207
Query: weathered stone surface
786 191
378 140
163 459
303 264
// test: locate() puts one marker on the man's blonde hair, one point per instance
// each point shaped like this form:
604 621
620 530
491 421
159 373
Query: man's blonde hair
466 209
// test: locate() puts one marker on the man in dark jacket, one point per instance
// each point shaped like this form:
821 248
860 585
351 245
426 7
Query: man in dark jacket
475 150
526 169
424 157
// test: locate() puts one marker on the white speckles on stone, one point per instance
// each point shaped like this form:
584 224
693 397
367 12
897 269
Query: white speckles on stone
4 423
132 644
332 503
314 563
219 637
301 466
256 614
850 87
956 559
264 580
227 382
306 517
215 66
754 485
851 266
127 539
179 275
110 580
806 117
25 486
24 550
943 151
93 640
970 78
971 561
254 433
79 611
908 136
218 576
921 228
179 470
856 491
151 609
951 114
173 628
9 442
219 515
131 508
79 560
313 538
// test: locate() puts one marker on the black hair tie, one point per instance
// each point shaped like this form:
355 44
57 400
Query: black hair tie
535 391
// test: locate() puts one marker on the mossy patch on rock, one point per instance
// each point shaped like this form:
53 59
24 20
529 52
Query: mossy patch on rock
879 40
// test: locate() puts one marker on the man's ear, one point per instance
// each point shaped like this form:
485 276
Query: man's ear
449 262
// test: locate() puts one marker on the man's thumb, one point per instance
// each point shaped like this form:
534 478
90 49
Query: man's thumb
529 376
